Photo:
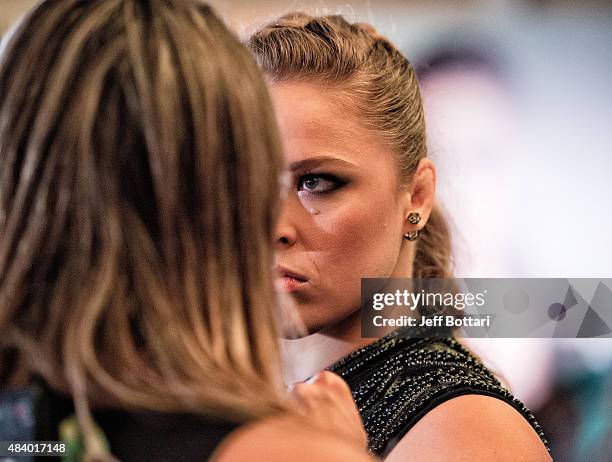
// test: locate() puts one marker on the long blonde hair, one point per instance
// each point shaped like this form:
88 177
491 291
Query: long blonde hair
373 78
139 165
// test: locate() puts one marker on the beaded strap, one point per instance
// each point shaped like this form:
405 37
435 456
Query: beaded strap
399 378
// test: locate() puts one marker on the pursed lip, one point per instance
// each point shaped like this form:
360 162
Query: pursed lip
288 280
284 272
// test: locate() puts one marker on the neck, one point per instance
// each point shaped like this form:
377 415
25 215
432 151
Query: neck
309 355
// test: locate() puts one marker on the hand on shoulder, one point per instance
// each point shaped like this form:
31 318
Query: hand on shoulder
325 426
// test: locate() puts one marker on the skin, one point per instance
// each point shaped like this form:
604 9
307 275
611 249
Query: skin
346 212
344 218
323 411
287 438
471 428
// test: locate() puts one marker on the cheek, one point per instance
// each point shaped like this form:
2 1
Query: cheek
349 241
359 238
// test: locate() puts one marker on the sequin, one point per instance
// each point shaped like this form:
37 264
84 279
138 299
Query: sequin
400 377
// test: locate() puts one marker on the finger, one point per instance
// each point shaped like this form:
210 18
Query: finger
330 391
334 383
344 401
332 379
310 397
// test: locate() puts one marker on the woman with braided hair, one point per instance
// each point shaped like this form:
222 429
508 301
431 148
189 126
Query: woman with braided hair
362 205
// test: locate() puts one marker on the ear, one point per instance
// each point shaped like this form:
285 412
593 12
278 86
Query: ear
421 194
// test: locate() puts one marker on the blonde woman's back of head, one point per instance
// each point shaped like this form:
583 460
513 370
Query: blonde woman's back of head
138 193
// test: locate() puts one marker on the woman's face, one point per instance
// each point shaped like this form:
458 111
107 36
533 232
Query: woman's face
345 215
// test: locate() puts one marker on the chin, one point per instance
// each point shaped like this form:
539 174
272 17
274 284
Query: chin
320 325
301 328
302 321
303 317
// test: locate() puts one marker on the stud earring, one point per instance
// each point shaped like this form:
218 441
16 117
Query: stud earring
414 218
412 235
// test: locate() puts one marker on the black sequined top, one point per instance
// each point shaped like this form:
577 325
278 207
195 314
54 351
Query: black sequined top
399 378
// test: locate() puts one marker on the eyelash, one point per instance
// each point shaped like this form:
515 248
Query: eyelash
337 182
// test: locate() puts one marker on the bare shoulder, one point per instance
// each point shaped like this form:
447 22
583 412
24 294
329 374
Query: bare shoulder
283 438
474 428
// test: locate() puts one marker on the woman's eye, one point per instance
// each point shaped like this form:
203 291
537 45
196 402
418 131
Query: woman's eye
317 183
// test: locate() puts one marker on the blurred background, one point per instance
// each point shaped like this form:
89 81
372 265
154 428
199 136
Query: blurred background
518 100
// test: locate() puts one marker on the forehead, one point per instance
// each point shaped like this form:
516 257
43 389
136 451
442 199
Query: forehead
313 120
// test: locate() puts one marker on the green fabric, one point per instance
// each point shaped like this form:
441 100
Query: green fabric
70 434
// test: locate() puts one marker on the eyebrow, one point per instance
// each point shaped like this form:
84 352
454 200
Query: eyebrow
312 162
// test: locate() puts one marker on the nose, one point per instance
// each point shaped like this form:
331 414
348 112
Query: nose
286 232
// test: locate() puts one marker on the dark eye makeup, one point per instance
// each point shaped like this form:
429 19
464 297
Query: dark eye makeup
318 183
